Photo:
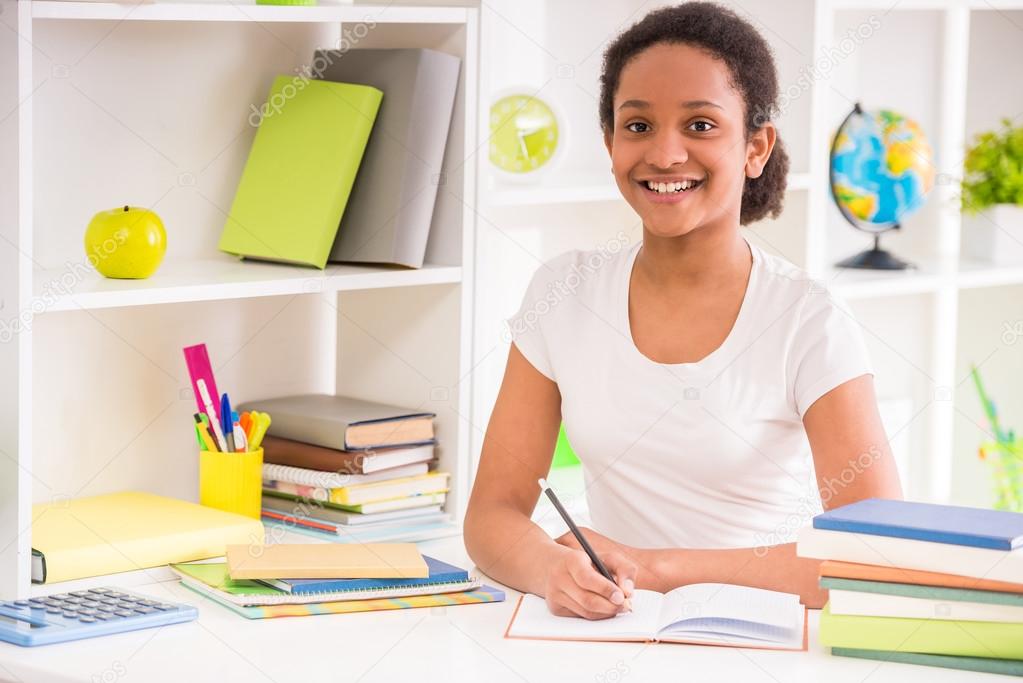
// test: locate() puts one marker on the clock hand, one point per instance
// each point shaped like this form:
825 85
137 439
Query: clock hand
523 134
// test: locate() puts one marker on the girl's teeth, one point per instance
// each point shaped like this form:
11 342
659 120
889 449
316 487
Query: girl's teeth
664 188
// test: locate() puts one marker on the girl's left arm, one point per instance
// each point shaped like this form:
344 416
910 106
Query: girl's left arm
853 461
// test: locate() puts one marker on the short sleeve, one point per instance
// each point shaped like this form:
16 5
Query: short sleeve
827 349
525 328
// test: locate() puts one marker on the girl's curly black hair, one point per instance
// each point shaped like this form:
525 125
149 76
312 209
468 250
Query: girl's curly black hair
734 41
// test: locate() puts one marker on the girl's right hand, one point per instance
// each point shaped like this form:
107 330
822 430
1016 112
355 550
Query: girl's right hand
574 587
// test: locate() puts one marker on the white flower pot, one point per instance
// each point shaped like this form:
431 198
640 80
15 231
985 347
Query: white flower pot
994 235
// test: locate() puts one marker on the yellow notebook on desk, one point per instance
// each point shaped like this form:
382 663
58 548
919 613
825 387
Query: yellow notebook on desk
130 530
327 561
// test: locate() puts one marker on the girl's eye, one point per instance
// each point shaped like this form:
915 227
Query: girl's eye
706 126
631 127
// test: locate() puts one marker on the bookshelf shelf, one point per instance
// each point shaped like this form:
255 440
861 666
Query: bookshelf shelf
226 278
102 104
247 11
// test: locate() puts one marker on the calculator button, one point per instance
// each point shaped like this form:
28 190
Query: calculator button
53 610
124 613
73 600
106 609
86 619
163 607
102 616
145 610
80 594
21 603
70 615
87 610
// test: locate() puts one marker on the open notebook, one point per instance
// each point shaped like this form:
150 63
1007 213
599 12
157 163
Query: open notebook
703 613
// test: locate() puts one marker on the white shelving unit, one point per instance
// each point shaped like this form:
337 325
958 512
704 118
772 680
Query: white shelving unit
103 104
942 62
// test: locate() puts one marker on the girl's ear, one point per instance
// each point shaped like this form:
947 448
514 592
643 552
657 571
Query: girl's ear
758 149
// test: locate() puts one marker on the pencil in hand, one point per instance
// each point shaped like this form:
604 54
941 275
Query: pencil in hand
587 548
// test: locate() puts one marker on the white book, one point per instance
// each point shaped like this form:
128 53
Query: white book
880 605
336 480
707 613
905 553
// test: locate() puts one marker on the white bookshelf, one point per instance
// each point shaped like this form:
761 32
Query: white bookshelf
147 104
946 63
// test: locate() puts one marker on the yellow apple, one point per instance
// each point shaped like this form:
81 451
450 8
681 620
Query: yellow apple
127 242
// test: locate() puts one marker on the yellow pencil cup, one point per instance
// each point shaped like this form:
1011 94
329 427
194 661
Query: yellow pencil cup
232 481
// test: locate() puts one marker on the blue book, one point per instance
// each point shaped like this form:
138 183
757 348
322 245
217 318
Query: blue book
977 527
440 572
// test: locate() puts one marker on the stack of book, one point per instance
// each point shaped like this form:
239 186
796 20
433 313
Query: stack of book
923 584
352 470
337 579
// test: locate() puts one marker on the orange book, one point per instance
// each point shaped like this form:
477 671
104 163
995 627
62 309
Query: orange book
871 572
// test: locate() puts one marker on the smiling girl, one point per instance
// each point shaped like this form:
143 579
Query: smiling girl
714 394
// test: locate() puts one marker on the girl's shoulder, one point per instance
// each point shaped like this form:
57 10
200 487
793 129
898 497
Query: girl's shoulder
579 271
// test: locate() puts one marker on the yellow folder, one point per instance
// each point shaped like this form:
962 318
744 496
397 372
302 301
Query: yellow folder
326 561
130 530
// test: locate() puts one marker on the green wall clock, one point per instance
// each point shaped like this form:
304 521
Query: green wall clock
525 134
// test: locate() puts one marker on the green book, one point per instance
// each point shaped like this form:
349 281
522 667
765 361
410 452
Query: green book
300 171
926 636
1007 667
912 590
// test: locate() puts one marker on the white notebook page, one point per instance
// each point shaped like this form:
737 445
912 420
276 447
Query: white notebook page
534 620
727 613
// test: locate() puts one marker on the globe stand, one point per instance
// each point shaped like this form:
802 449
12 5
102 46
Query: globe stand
875 259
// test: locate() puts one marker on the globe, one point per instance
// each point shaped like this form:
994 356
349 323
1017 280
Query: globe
881 171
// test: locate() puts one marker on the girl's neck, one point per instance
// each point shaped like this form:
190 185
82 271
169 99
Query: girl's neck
704 257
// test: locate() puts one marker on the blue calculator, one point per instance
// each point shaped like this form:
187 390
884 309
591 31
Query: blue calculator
85 614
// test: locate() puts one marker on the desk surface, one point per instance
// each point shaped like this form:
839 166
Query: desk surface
461 643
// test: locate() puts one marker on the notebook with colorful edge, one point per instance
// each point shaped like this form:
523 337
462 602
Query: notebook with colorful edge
482 595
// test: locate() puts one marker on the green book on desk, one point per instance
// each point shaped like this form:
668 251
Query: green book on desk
1006 667
925 636
300 170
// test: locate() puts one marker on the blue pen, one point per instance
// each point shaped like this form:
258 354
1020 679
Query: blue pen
225 420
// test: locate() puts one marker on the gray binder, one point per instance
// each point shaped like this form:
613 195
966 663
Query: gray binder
388 216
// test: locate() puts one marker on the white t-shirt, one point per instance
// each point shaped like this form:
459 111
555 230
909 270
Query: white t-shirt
710 454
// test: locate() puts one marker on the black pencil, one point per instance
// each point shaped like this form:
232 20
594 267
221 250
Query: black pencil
575 531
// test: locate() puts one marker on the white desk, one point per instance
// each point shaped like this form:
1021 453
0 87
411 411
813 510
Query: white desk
462 643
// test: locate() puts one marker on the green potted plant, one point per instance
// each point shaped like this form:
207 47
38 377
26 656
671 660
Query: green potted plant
992 196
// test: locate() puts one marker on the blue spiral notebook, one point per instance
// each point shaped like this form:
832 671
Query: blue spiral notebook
440 572
977 527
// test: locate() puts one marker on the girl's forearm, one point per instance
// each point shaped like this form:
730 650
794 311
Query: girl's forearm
510 548
775 568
